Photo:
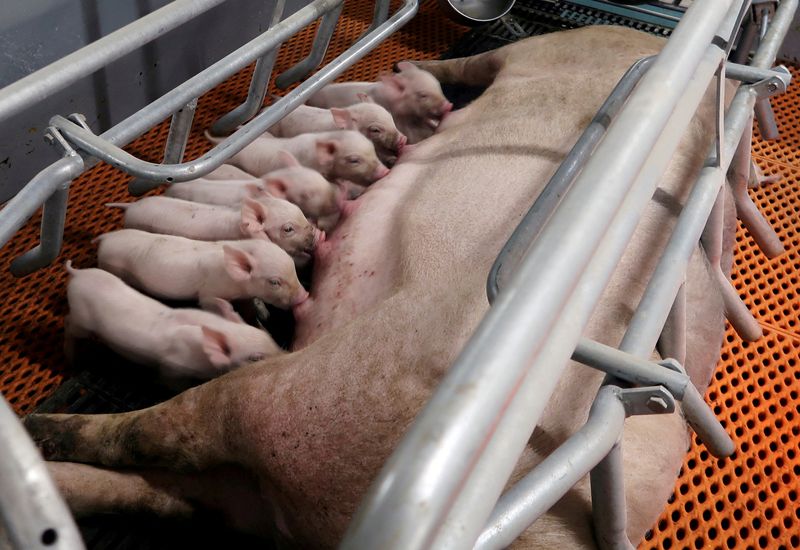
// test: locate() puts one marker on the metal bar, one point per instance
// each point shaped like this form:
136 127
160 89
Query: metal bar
28 200
43 83
512 430
746 41
560 182
179 128
630 368
21 206
576 314
609 512
54 216
672 341
481 385
31 509
766 120
318 49
380 15
749 75
634 369
104 149
534 494
258 85
738 177
771 43
538 214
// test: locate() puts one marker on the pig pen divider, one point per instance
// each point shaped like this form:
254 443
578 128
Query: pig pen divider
440 485
31 510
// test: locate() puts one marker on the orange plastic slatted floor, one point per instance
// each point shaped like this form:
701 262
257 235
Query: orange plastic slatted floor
747 501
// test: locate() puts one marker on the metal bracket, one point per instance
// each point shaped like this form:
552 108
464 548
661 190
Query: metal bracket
53 136
80 120
513 27
672 364
774 85
647 400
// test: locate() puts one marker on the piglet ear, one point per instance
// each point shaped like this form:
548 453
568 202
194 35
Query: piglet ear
364 98
287 159
405 66
216 348
342 118
275 186
238 263
254 215
325 152
256 191
223 308
394 83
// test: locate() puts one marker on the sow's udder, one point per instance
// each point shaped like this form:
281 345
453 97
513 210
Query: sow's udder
354 267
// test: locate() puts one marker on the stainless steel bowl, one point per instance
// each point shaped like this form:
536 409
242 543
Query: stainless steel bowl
475 12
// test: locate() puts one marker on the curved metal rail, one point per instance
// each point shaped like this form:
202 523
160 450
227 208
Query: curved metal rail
441 483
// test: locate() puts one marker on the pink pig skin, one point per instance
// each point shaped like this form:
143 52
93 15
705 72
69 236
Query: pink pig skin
316 196
397 292
177 268
370 119
413 96
182 343
342 154
269 218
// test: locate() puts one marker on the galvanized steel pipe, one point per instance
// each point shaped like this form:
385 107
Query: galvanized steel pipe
433 463
48 80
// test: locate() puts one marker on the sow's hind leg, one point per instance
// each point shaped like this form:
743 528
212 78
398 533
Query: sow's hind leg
185 433
227 492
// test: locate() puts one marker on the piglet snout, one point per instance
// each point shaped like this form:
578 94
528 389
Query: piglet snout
401 142
446 107
301 297
319 237
381 171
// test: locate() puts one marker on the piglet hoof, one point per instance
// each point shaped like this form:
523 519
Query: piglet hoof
55 434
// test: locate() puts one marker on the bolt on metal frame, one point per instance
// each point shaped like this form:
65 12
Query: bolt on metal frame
31 510
441 484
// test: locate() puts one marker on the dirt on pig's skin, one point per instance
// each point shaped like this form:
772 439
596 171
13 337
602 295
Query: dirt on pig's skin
316 425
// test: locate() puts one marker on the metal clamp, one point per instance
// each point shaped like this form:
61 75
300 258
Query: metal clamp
53 136
647 400
775 84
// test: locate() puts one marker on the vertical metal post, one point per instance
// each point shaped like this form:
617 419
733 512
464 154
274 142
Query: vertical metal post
672 342
739 175
380 15
766 120
608 502
179 129
746 41
318 49
54 215
735 310
258 86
